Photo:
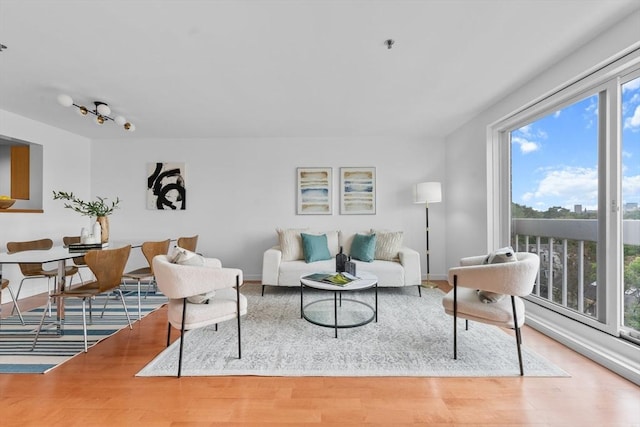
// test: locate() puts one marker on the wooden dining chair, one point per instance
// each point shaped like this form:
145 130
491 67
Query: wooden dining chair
37 271
79 260
4 284
149 250
188 243
107 266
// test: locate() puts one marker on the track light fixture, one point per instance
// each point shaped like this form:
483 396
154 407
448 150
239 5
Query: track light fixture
101 111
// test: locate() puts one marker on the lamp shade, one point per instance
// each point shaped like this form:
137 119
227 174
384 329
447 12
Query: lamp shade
427 192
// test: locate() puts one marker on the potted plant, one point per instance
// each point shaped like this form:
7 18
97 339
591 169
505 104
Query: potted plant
100 208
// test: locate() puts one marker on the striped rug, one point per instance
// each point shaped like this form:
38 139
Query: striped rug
52 350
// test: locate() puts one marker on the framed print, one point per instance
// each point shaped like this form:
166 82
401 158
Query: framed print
357 191
165 186
314 195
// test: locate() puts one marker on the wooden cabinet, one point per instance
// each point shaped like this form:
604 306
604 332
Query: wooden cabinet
20 172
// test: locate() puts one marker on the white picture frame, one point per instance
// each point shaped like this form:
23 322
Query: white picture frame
314 191
358 191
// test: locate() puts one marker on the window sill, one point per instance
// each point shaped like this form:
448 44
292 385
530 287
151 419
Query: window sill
616 354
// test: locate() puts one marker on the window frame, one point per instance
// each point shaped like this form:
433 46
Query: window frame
606 81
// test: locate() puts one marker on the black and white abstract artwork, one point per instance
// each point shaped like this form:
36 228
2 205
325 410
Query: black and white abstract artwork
166 186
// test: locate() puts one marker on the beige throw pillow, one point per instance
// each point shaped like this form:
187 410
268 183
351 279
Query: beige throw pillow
184 257
291 243
388 244
500 256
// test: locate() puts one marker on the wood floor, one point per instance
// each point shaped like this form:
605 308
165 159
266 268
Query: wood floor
99 388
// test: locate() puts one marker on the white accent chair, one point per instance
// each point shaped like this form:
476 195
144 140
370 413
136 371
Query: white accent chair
179 282
512 279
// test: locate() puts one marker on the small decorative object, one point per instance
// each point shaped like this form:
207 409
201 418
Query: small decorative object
166 188
350 267
101 209
6 202
341 260
314 195
357 191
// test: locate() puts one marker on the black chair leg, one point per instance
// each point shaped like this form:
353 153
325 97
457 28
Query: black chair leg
455 317
518 336
420 291
238 314
168 333
184 315
263 286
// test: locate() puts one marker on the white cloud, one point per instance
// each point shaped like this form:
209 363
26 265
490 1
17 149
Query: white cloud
526 146
632 85
571 186
565 187
631 187
633 122
557 114
525 130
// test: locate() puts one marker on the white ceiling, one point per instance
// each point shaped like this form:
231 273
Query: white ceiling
249 68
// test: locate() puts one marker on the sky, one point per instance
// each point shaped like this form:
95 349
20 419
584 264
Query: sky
555 158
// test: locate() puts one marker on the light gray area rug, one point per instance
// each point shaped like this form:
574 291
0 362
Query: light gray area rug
413 337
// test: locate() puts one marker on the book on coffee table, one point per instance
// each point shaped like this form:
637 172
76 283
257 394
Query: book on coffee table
339 279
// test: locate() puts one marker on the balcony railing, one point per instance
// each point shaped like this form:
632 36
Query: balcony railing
567 250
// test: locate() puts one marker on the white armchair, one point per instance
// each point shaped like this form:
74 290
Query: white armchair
511 279
179 282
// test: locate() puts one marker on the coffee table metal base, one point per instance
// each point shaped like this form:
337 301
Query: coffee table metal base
338 312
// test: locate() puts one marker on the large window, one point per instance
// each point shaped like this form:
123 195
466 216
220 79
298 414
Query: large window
554 209
569 182
630 131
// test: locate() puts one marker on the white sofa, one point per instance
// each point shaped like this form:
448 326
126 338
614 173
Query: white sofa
285 267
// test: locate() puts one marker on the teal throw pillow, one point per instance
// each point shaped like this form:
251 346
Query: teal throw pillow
363 247
315 248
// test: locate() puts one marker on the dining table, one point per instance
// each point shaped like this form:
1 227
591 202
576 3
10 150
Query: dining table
58 254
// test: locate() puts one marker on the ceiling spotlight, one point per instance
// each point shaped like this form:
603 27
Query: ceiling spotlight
101 111
389 43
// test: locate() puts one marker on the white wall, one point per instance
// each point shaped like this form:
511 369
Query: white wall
240 190
66 167
466 148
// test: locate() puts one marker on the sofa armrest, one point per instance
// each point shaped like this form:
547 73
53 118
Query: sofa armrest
410 260
271 260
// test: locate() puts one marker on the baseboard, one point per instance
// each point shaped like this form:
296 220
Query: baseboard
615 354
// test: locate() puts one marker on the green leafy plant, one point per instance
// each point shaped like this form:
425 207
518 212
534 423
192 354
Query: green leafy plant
100 207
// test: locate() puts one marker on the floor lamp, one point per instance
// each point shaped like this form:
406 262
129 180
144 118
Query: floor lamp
427 192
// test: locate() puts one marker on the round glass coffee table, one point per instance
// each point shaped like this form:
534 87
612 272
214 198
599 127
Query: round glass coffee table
339 312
